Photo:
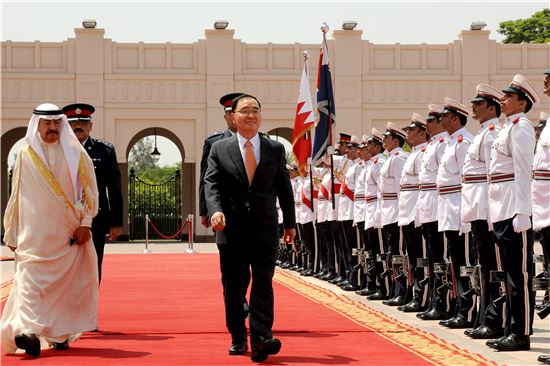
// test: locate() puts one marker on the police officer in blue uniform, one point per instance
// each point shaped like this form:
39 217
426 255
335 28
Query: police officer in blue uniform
109 217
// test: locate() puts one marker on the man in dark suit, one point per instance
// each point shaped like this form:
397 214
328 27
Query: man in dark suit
102 153
225 101
245 176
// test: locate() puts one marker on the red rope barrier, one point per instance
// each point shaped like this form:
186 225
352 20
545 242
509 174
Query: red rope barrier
176 234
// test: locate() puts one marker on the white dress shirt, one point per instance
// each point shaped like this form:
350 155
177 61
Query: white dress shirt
390 175
255 145
408 197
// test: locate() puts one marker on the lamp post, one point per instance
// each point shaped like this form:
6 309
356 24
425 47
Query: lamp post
155 154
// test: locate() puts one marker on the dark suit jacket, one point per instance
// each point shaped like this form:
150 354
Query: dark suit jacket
250 211
204 164
107 175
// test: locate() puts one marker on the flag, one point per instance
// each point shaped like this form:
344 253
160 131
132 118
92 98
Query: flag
322 137
303 122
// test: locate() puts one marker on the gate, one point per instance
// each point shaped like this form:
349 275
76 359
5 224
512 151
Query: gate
162 202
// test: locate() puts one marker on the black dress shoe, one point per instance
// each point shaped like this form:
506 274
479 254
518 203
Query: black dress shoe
411 307
336 280
396 301
468 332
485 332
513 343
492 342
457 323
544 359
329 276
433 315
265 347
29 342
378 295
63 346
343 283
238 348
350 287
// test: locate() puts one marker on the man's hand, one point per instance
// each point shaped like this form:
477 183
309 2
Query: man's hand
217 221
82 235
289 235
114 233
204 222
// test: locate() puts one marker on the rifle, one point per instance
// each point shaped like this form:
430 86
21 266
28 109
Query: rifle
423 262
474 272
500 277
444 268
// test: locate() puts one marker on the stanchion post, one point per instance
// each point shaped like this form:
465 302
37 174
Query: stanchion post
190 249
146 250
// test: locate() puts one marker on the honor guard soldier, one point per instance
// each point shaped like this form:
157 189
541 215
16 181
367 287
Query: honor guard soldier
510 207
345 213
449 185
542 123
225 101
340 167
324 225
408 213
390 175
540 188
378 287
440 301
359 205
306 216
109 217
475 210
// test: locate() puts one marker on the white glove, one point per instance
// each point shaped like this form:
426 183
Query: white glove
417 221
490 225
465 228
521 223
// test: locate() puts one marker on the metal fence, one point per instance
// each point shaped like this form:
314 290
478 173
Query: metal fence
162 202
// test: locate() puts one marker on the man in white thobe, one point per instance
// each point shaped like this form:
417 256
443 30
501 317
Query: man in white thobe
47 222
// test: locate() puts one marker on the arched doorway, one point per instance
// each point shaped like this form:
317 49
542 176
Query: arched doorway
167 203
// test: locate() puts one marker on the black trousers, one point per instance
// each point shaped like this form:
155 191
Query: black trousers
306 233
237 264
436 249
516 254
375 244
362 244
326 246
486 245
392 245
99 236
461 254
414 245
350 242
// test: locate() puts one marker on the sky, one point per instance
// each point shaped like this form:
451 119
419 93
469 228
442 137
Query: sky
387 22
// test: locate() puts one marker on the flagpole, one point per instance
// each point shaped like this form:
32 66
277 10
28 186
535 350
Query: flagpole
325 29
310 163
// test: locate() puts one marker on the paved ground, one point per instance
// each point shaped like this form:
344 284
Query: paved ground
540 341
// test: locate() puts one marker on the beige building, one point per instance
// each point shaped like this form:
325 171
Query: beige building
137 87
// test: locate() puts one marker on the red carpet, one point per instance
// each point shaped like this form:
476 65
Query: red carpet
167 310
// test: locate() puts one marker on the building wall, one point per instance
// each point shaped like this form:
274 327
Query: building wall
137 86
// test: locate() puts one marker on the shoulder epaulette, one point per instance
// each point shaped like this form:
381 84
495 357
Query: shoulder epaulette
215 134
105 143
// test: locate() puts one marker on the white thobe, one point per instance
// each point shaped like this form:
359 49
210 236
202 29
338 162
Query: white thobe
54 290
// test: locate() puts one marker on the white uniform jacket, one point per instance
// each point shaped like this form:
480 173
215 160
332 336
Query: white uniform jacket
347 192
427 198
540 185
390 175
475 201
449 180
512 158
372 177
360 203
408 197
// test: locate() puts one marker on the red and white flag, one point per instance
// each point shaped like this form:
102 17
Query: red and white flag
304 121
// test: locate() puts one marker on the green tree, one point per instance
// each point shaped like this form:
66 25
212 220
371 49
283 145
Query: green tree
140 156
531 30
